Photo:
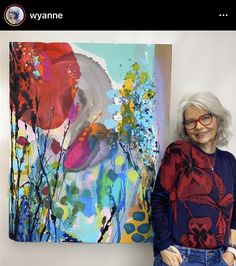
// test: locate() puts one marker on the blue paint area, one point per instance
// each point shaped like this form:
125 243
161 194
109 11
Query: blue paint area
118 189
13 128
36 60
118 227
14 165
23 228
139 216
86 193
68 238
111 174
23 167
106 201
59 234
137 238
54 228
118 192
92 142
36 74
145 113
41 140
112 93
112 108
143 228
19 153
129 228
110 123
89 209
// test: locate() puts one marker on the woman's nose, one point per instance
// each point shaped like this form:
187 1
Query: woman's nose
198 125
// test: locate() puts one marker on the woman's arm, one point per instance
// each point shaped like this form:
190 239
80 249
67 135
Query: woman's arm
230 254
160 203
160 200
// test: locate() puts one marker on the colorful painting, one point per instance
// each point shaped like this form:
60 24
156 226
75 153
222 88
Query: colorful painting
85 141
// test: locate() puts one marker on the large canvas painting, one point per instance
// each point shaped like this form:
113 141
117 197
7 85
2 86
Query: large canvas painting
86 123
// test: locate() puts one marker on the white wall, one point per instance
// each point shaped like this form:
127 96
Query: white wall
200 61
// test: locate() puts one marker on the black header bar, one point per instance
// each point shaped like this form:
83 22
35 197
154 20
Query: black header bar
114 15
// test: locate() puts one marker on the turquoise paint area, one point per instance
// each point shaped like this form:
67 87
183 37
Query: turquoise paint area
117 191
129 228
139 216
112 93
120 57
19 153
106 201
109 123
112 108
14 165
143 228
89 209
138 238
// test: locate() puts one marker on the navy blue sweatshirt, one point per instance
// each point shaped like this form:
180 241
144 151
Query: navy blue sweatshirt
192 204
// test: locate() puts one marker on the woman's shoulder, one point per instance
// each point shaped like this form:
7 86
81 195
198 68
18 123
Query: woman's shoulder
226 154
181 145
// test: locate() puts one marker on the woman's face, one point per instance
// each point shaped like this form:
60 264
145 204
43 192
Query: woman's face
12 15
205 130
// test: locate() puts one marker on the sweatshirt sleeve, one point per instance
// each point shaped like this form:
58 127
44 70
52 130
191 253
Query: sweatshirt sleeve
160 199
233 221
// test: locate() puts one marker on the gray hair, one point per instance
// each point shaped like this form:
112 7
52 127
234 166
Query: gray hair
209 102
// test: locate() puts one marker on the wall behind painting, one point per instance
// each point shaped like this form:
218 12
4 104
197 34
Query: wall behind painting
201 60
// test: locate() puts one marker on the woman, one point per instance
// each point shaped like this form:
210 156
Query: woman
13 15
193 202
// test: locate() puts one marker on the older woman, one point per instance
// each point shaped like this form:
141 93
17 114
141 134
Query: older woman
193 202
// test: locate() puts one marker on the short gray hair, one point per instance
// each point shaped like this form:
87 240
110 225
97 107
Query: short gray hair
209 102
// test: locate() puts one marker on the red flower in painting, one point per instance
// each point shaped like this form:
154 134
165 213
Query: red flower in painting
55 146
199 236
47 76
22 141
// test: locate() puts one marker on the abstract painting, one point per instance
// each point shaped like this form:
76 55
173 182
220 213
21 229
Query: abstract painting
85 140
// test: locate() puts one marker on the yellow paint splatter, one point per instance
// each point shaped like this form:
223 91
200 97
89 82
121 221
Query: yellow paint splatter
132 175
120 160
26 191
131 106
136 67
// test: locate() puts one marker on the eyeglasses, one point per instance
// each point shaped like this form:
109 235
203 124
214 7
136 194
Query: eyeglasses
204 120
